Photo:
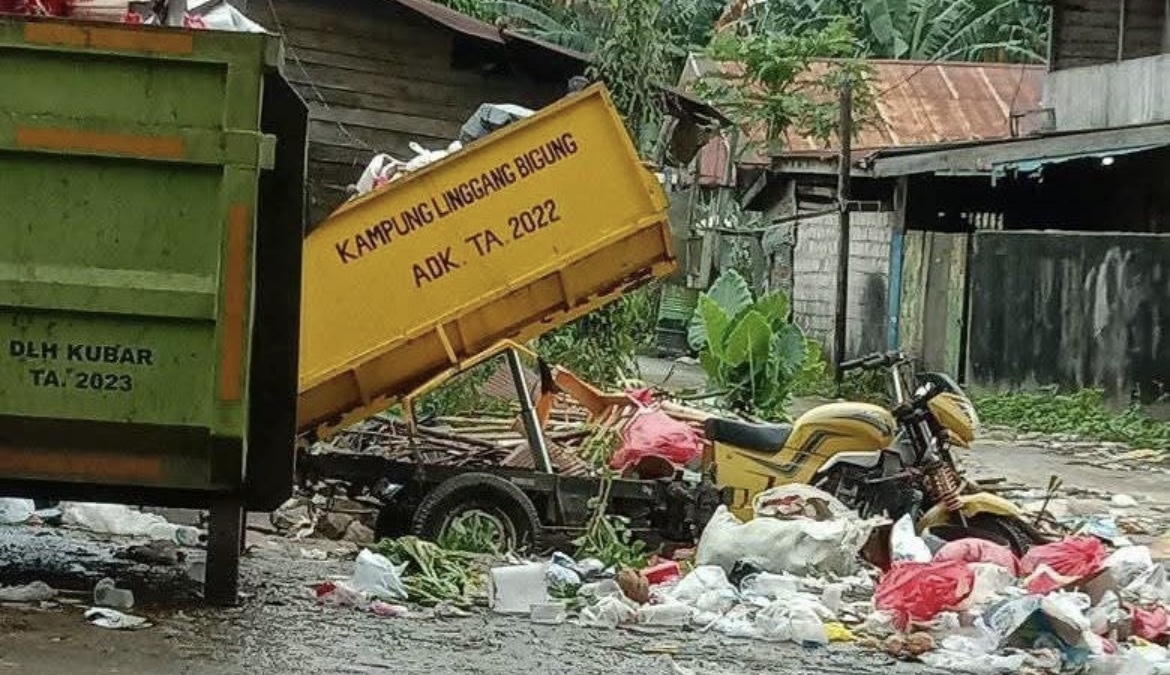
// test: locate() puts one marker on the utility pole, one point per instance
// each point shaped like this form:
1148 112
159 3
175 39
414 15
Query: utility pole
845 132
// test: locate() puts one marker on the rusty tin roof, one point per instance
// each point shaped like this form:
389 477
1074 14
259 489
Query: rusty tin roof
923 103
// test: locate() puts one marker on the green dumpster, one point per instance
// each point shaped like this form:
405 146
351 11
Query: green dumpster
151 217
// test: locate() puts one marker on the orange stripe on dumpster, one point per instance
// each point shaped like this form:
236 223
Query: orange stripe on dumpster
106 466
119 39
232 347
46 138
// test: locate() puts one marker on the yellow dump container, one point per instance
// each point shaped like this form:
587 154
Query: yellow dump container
509 238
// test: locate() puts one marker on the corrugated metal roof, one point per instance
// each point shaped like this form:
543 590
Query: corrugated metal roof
924 103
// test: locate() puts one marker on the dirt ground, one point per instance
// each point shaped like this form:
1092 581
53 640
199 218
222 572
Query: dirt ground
279 629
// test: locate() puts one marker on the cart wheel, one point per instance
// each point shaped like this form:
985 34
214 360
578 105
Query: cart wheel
485 507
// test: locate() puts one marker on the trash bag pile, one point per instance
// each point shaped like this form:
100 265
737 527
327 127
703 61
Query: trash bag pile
794 574
487 119
192 14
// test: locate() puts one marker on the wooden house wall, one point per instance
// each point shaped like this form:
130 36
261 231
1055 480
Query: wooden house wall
1091 32
377 76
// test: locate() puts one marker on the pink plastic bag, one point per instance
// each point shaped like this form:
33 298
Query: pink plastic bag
919 591
1076 557
1151 624
655 442
979 551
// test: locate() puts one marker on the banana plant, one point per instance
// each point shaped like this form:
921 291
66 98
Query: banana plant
748 347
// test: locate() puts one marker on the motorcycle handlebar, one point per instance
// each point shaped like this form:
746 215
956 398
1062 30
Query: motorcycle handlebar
917 403
873 361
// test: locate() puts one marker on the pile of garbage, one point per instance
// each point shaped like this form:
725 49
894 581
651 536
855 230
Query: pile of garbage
201 14
384 168
794 573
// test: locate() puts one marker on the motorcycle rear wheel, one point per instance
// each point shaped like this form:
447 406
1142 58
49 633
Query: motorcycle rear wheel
1018 535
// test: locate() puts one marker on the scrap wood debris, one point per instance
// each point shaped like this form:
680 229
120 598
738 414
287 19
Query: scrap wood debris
581 436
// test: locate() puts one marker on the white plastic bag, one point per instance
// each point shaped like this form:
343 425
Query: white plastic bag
774 623
906 545
990 581
114 620
879 623
1128 563
610 612
707 590
736 623
123 520
1150 587
769 586
376 576
666 614
15 511
984 664
801 546
807 627
1146 660
31 592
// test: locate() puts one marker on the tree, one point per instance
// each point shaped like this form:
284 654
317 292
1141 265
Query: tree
765 79
942 30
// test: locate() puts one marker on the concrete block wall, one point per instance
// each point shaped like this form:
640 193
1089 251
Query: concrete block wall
814 287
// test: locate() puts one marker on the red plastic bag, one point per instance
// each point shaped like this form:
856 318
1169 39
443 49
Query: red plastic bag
655 442
1151 624
919 591
979 551
1076 557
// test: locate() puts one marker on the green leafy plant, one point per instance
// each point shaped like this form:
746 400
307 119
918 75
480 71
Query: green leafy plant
1082 413
608 538
473 533
765 80
461 394
601 345
434 574
748 348
936 30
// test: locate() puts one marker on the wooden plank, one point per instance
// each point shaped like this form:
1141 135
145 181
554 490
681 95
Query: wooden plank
910 321
371 19
936 301
393 67
468 95
340 97
374 140
373 119
956 321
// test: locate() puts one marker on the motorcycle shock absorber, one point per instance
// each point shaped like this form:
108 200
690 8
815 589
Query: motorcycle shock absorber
943 485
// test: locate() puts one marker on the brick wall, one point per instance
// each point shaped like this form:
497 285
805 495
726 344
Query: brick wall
814 271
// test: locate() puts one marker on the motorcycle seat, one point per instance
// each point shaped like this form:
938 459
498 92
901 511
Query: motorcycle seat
758 437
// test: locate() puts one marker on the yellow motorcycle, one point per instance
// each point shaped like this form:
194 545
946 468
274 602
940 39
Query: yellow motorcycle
876 461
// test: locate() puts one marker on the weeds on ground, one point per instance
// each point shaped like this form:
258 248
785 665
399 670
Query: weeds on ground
864 386
1082 413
